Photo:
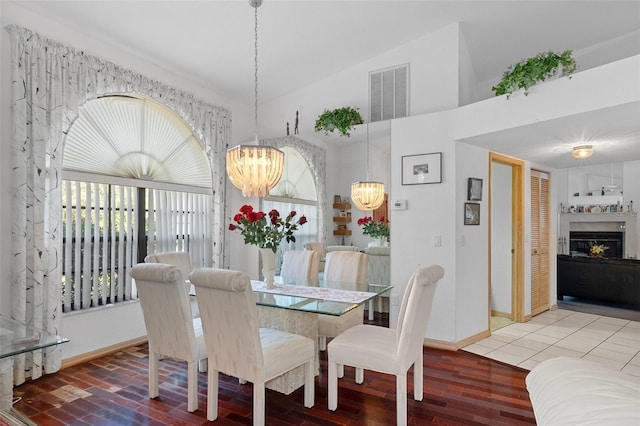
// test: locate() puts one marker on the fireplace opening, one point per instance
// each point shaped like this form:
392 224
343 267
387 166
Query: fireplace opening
580 243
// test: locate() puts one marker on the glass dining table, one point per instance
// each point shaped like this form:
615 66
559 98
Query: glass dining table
17 338
294 307
327 298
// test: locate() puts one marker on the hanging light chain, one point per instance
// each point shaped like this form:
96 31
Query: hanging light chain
367 153
256 4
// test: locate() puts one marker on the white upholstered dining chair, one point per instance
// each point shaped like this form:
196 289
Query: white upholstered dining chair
317 246
237 346
379 273
171 329
389 350
300 267
182 260
349 268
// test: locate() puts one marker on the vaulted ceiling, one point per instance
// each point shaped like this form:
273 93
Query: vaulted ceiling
303 41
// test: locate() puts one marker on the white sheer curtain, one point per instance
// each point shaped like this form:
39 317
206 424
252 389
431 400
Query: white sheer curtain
49 83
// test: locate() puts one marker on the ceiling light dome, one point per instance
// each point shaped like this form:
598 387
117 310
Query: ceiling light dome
583 151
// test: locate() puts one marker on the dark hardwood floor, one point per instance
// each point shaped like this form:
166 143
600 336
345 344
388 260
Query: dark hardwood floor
459 389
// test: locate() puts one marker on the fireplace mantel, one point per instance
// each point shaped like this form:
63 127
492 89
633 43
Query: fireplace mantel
626 222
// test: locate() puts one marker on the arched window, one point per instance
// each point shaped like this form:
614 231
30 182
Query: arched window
136 180
298 190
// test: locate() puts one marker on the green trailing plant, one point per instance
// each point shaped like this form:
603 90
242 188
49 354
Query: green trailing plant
341 119
527 73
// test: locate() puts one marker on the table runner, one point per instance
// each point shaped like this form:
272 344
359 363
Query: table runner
331 294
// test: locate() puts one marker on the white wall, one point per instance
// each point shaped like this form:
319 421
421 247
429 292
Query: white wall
430 213
472 245
433 62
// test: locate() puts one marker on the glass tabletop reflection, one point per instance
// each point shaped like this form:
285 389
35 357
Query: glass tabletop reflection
17 338
328 298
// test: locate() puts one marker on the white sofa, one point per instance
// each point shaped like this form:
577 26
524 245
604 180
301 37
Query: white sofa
571 391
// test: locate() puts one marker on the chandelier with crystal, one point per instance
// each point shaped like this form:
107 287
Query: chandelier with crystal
255 169
367 195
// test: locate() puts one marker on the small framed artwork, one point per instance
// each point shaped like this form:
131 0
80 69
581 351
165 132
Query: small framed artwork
422 168
337 199
471 213
474 189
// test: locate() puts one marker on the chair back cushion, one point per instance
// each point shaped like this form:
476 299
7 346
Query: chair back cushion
230 322
347 267
379 265
414 313
166 310
181 259
317 247
300 267
341 248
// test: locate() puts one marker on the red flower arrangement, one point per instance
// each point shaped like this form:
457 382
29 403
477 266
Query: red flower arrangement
374 229
257 230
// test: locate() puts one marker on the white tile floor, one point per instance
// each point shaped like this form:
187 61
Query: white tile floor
611 341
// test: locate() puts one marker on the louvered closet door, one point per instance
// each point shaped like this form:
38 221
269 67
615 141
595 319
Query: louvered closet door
539 242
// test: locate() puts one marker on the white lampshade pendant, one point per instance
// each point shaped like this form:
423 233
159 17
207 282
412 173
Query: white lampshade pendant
255 169
367 195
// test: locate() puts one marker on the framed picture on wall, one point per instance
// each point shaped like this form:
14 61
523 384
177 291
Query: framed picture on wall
422 168
474 189
471 213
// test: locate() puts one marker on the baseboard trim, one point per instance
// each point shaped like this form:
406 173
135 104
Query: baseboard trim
501 314
440 344
473 339
108 350
454 346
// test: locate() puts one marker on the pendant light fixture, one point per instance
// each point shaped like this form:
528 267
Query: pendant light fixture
367 195
255 169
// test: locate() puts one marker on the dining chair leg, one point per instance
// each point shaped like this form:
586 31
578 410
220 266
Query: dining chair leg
322 343
202 365
309 384
359 375
153 375
192 386
371 302
340 371
258 404
418 379
332 386
401 399
212 395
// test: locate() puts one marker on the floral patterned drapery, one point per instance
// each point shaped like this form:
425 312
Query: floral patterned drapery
49 83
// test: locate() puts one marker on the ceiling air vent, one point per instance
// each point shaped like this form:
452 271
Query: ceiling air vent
389 93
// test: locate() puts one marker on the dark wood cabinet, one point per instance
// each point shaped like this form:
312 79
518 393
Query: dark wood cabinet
599 279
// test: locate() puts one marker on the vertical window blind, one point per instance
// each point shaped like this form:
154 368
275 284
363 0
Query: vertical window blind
107 228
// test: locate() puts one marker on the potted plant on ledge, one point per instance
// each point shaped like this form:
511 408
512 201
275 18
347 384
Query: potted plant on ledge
527 73
341 119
